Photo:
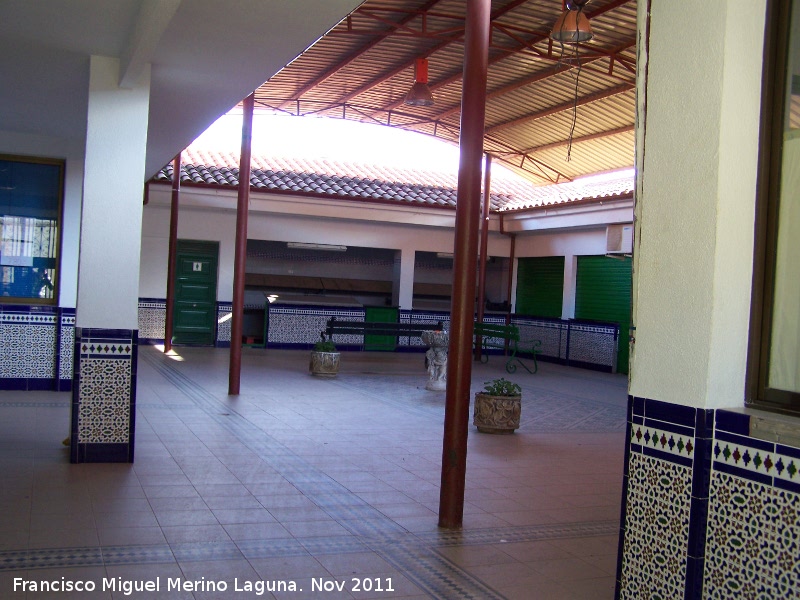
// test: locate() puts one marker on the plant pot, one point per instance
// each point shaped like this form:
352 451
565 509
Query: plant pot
496 414
324 364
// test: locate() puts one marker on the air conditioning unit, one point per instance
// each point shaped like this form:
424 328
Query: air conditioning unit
619 239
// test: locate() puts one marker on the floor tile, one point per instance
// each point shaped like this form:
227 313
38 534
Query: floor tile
308 480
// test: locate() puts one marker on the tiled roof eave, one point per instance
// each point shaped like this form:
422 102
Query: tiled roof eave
567 203
319 196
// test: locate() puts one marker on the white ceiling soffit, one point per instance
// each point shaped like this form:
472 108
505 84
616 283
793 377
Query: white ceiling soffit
206 56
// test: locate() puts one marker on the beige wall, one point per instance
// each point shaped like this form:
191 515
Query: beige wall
697 133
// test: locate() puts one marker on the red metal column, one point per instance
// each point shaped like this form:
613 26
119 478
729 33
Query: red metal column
482 256
240 255
173 252
462 313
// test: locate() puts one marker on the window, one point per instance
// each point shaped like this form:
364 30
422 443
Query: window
774 369
30 208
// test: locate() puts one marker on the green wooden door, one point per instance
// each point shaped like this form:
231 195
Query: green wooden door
380 314
195 313
603 293
540 286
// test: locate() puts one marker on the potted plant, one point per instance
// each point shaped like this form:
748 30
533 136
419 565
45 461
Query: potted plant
498 407
324 358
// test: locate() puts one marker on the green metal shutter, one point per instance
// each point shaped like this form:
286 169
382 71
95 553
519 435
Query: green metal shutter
540 286
603 293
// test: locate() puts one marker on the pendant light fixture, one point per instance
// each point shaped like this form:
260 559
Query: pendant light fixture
420 93
572 27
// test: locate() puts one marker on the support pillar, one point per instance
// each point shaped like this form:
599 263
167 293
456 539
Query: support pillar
106 333
403 291
570 286
240 256
462 313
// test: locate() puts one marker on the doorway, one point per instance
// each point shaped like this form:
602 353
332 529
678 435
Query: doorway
195 316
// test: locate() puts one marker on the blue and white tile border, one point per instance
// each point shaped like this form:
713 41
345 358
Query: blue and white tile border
104 395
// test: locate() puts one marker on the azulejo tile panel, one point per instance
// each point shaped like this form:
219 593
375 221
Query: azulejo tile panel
66 347
27 346
224 314
753 542
656 533
152 319
665 501
105 389
303 325
753 537
104 396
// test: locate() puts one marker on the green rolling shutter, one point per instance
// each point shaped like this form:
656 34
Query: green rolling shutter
603 293
540 286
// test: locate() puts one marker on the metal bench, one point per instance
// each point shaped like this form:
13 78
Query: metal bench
506 338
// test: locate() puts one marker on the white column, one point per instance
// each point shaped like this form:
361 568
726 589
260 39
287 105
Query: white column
405 284
570 279
113 183
695 202
106 340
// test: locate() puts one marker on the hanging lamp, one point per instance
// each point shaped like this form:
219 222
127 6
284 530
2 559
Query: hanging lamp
420 94
573 25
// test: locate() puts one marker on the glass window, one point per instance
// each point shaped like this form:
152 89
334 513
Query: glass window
30 207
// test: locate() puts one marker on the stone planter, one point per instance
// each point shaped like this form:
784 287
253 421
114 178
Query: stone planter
324 364
496 414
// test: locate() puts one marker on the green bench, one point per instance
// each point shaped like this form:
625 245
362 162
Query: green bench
392 331
505 337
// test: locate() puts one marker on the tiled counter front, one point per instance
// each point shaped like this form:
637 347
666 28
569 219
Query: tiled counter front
300 326
36 347
708 510
152 320
153 317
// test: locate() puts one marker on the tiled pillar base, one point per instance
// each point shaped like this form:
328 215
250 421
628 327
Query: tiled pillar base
709 510
104 395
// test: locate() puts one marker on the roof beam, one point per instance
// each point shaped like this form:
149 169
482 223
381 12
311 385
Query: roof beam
310 85
619 89
504 53
151 22
396 71
583 138
541 76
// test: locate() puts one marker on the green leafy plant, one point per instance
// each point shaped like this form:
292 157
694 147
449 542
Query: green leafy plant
324 346
501 387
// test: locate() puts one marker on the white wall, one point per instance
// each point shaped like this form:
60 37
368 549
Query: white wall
695 199
220 224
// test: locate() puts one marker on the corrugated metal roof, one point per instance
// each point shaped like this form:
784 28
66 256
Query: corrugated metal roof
362 69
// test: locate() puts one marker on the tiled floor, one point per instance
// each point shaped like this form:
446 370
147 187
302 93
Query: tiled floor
317 481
